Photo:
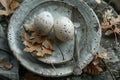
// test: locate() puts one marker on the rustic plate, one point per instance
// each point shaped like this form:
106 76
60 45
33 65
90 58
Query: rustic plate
63 51
82 16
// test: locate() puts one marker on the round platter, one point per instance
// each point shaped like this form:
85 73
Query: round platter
81 15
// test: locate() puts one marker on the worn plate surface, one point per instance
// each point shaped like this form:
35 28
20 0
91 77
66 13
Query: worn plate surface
81 15
63 51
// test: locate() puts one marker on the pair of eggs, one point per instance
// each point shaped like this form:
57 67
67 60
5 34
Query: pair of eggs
63 27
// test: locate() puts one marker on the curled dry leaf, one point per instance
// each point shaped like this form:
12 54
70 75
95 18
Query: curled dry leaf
9 5
93 69
96 66
110 23
38 46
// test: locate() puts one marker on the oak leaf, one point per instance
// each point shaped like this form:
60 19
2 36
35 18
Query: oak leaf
95 67
110 23
9 5
39 46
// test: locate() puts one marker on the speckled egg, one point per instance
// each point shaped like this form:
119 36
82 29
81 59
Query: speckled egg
44 22
64 29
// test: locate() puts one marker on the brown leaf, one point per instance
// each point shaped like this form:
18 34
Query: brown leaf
46 51
43 52
4 3
116 30
37 39
92 69
96 66
24 37
29 27
38 46
2 12
30 48
110 23
13 5
9 5
115 20
103 56
106 26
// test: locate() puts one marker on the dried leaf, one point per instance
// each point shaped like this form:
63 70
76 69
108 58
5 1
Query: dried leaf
108 15
9 5
92 69
110 23
3 12
38 46
4 3
38 39
28 49
95 67
29 27
43 51
116 30
115 20
13 5
103 56
24 37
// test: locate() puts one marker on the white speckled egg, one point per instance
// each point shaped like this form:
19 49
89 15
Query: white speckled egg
63 28
44 22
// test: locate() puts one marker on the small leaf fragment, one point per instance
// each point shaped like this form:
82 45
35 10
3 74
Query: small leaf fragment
103 56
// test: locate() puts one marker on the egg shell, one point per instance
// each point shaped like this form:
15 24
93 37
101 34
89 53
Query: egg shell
64 29
44 22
